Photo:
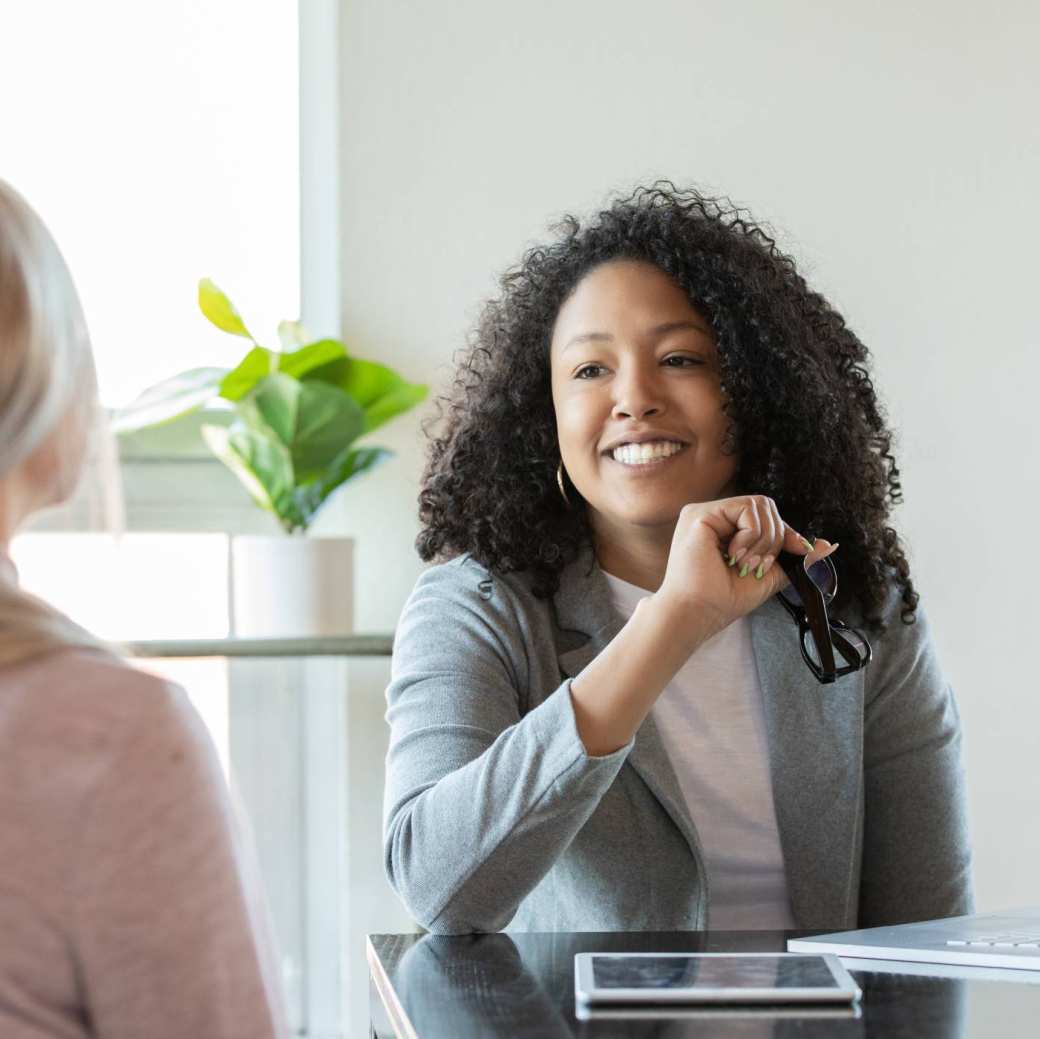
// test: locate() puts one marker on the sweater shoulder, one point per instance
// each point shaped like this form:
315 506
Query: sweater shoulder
467 581
80 707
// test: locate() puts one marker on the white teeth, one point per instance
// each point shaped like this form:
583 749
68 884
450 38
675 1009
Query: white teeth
640 454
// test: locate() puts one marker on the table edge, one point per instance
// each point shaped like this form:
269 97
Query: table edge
403 1027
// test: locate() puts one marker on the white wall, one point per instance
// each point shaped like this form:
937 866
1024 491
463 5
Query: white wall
894 147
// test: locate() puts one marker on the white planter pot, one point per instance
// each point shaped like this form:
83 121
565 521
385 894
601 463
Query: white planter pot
291 587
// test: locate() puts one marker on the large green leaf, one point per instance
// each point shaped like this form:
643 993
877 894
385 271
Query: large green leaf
310 497
315 422
353 463
379 390
172 398
307 358
261 362
256 365
394 403
271 407
328 422
365 381
220 310
262 464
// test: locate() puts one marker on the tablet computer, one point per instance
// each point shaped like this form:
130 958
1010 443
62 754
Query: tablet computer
711 977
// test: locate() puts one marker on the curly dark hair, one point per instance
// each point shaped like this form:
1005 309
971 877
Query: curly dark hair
805 418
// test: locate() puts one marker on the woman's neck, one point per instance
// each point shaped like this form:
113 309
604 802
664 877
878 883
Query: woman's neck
14 508
641 562
8 572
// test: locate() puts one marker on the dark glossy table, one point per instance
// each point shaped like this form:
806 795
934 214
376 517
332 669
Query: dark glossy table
523 986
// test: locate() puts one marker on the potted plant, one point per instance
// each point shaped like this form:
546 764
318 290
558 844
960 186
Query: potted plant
295 415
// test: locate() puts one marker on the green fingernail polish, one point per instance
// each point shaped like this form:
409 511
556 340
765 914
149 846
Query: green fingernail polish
733 561
759 572
743 570
807 543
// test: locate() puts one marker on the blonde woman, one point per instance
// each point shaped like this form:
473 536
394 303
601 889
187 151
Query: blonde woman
123 907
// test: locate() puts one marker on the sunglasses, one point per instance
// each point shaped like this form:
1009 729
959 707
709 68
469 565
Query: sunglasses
823 640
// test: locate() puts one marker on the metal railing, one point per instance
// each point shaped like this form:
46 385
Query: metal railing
375 645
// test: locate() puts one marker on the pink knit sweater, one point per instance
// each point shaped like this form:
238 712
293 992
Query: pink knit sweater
127 908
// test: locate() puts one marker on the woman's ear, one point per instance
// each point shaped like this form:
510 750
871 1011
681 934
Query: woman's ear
51 473
41 476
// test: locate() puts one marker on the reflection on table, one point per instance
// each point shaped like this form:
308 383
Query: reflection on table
522 985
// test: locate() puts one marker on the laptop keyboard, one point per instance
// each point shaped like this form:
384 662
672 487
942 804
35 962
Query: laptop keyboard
1011 940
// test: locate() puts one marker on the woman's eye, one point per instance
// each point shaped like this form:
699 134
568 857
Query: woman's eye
682 361
588 371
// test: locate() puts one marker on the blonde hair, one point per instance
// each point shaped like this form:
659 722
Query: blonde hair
46 374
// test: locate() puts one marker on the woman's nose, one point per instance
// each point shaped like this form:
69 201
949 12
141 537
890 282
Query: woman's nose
636 396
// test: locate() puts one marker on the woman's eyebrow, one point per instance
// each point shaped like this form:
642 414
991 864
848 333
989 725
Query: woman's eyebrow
675 326
588 337
658 330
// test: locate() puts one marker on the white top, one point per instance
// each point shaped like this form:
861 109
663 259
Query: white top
128 906
711 721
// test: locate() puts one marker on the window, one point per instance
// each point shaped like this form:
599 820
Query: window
160 144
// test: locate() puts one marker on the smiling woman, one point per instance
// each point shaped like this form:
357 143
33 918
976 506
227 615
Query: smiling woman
639 407
601 713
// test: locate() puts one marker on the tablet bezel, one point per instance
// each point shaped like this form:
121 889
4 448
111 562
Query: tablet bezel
763 1012
585 992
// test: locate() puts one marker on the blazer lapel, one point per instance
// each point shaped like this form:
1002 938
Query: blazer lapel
815 749
587 622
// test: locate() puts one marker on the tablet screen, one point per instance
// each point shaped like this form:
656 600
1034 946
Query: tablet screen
715 972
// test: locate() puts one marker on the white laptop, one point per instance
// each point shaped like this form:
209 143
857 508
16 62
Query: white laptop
1010 939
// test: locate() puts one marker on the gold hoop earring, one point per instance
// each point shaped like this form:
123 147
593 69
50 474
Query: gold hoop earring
559 483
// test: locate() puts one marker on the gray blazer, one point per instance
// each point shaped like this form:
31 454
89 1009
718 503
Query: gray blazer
495 817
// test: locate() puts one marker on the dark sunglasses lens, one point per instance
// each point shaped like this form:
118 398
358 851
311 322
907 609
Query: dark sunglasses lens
821 573
810 648
853 654
856 651
823 576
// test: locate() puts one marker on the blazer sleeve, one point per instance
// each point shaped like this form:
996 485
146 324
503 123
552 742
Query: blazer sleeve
482 795
916 856
171 932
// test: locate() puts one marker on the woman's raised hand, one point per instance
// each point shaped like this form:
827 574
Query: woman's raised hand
700 595
722 562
